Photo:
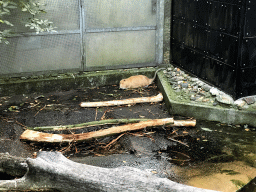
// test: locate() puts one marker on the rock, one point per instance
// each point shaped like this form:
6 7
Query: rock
206 87
224 98
195 88
215 103
194 79
184 85
249 100
214 91
200 83
240 103
192 98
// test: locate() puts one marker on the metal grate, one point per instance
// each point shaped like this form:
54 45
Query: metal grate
215 40
91 35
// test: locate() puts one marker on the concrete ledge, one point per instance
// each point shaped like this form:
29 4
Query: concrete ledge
66 81
221 114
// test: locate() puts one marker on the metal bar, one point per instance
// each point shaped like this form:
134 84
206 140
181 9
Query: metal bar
127 66
62 32
81 10
159 32
119 29
84 35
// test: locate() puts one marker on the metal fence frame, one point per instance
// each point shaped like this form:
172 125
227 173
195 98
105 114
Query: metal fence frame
82 32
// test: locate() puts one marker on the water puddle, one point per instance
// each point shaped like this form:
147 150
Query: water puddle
224 158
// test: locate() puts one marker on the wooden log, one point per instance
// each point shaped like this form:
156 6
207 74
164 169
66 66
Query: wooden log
13 166
57 138
157 98
51 170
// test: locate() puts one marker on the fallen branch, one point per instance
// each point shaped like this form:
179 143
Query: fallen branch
57 138
51 170
157 98
184 123
178 141
87 124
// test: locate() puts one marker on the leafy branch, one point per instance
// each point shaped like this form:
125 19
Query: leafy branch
30 6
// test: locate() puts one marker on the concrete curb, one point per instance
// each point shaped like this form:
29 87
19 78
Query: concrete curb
67 81
203 112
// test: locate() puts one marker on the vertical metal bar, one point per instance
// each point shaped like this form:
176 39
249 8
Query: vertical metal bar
81 11
159 31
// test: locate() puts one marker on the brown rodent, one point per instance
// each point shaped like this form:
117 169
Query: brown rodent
137 81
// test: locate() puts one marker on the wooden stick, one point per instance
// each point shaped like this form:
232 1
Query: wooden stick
87 124
57 138
184 123
157 98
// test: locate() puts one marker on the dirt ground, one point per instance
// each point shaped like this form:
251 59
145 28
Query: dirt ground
62 108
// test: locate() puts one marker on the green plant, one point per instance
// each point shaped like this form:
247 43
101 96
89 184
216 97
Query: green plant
32 7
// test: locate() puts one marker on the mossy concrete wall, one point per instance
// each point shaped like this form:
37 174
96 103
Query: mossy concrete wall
223 114
66 81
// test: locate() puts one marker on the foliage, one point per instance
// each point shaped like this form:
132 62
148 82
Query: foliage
30 6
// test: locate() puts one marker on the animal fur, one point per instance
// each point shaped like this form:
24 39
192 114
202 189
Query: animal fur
137 81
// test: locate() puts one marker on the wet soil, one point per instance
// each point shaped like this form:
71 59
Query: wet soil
157 149
62 108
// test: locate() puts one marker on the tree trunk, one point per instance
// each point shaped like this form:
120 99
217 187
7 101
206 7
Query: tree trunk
51 170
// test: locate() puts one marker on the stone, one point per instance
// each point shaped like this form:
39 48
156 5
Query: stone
192 98
215 103
184 85
224 98
200 99
206 87
200 83
240 103
195 88
194 79
214 91
249 100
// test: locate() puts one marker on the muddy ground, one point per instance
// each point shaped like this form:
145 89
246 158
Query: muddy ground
156 148
62 108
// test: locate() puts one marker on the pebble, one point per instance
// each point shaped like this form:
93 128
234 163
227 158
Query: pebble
184 85
206 87
192 98
198 91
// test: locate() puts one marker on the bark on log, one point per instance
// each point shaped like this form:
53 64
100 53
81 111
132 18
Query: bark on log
51 170
157 98
57 138
13 166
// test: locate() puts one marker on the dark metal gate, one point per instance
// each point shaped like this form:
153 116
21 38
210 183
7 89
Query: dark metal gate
91 35
216 41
